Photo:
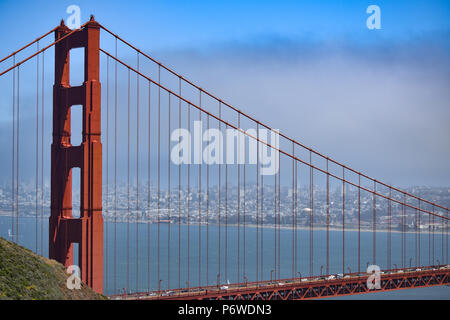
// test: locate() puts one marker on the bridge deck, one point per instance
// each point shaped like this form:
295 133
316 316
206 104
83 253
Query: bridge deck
305 288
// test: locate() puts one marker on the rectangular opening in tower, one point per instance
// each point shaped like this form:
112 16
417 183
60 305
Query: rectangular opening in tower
76 125
76 71
76 175
75 247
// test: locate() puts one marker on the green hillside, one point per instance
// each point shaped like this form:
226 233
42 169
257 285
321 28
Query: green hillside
25 275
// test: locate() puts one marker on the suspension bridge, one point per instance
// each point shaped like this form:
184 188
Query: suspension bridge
157 217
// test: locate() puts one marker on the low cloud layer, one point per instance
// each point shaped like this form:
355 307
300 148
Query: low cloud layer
382 108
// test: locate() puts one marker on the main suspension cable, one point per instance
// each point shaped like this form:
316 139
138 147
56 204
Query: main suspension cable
282 151
260 123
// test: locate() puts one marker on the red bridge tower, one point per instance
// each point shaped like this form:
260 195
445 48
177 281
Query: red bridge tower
64 229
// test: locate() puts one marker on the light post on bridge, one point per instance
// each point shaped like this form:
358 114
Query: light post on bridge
271 272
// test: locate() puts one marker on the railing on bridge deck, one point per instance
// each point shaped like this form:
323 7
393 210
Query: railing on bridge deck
306 288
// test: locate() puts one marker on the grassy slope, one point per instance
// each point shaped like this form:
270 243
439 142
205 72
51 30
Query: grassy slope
25 275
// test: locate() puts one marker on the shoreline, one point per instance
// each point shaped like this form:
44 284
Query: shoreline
267 226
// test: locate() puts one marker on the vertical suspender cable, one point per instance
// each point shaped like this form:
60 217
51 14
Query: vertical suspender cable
219 197
296 217
295 211
159 175
239 202
106 218
257 202
374 231
200 193
343 220
179 189
226 214
432 237
189 203
244 218
416 236
359 223
42 155
37 149
293 219
137 176
17 155
128 187
389 227
262 224
148 182
311 218
275 225
328 223
279 214
115 169
429 240
419 260
207 209
13 153
442 241
404 231
168 196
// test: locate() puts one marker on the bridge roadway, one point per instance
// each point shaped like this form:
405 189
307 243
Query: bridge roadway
304 288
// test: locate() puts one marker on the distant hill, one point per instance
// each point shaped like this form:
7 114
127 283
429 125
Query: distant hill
26 275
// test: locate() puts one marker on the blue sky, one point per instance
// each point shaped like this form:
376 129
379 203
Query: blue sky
196 24
376 100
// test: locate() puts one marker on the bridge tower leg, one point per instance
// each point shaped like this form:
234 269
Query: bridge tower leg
64 229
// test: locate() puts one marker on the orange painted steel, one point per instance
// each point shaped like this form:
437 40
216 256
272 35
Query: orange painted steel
27 45
306 288
268 127
42 50
64 229
87 230
263 142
